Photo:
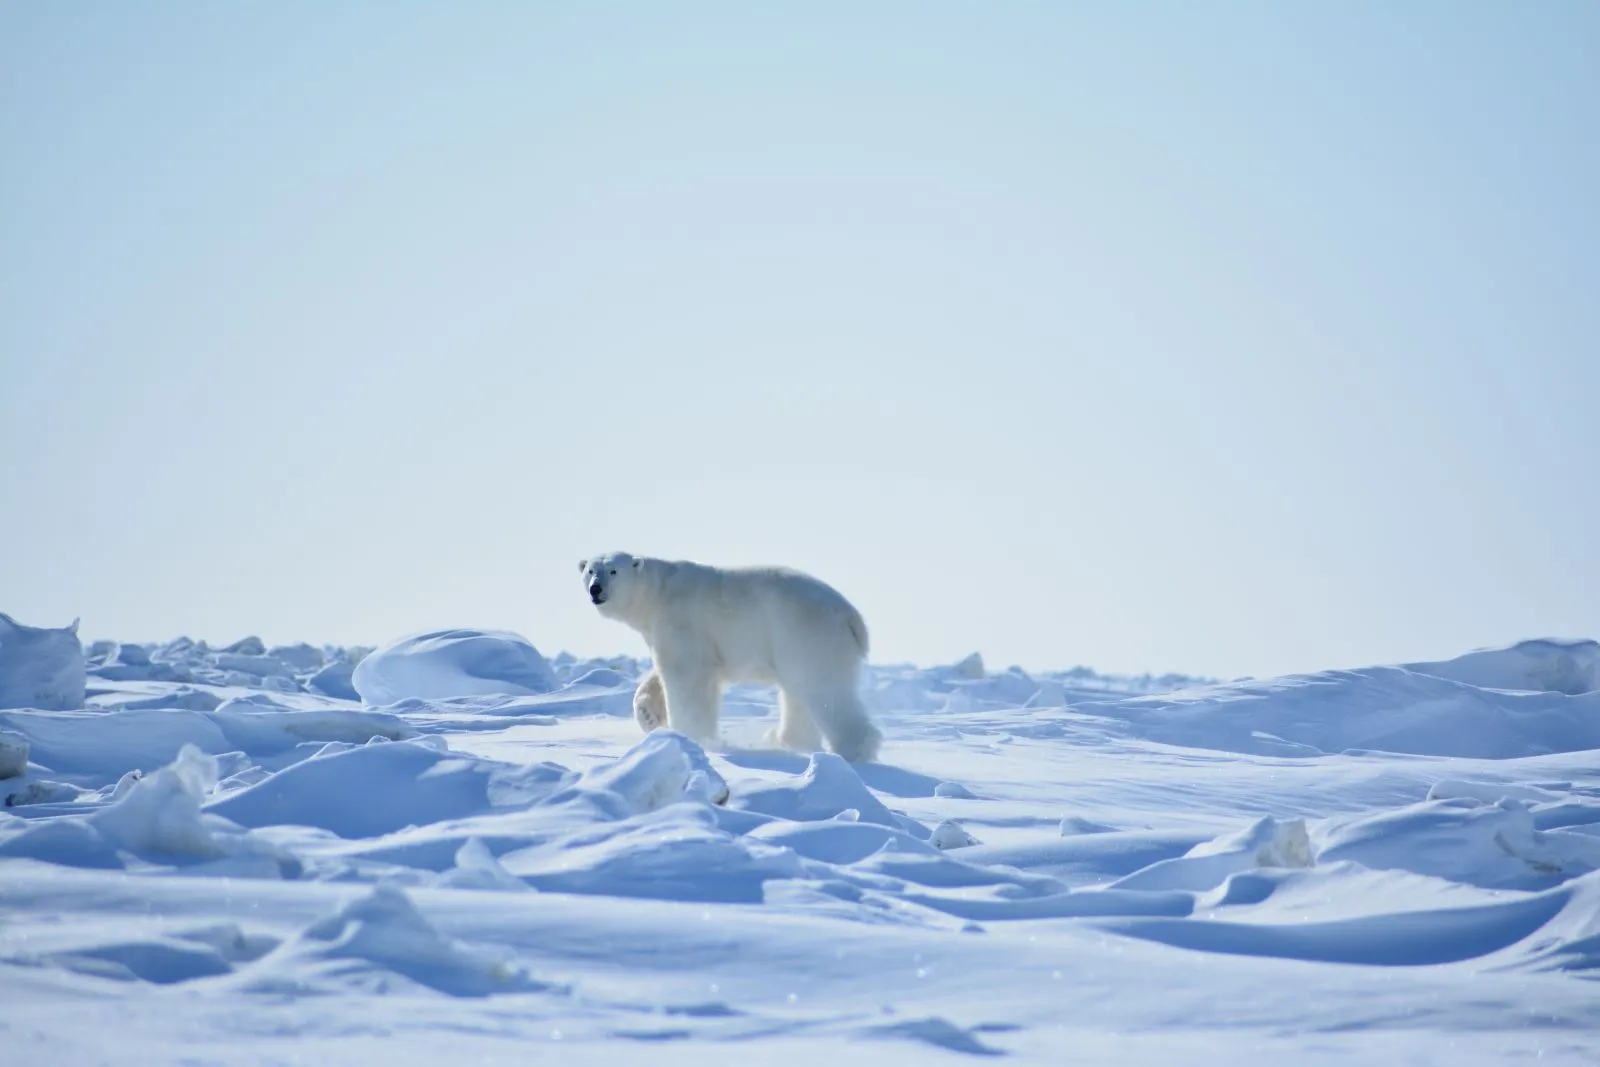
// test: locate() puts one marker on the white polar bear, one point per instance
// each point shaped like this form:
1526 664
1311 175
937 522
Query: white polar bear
709 626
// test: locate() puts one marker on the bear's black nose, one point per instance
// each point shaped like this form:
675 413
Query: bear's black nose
594 591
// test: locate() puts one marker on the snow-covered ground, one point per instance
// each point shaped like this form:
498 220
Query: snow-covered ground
226 856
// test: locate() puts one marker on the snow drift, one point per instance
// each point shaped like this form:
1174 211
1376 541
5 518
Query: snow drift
1389 709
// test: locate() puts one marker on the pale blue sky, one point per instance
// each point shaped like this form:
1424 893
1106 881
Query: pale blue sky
1231 338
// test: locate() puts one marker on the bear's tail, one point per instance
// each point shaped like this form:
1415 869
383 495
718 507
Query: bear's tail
858 630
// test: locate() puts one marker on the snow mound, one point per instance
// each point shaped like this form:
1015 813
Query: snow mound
381 943
1489 792
453 663
836 841
830 785
380 788
1267 842
1387 709
260 729
41 791
334 680
1495 846
948 835
40 668
665 768
477 868
96 747
1404 939
678 852
155 819
1541 666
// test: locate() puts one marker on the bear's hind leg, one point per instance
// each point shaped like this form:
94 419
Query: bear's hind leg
796 728
844 721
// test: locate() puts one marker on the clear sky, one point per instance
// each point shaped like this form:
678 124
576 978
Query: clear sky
1230 338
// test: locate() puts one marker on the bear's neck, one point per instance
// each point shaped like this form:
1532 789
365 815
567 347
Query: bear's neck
642 621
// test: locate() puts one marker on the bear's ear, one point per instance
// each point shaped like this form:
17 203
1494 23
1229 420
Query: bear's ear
583 565
636 563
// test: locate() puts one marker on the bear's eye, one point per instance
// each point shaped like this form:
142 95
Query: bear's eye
613 572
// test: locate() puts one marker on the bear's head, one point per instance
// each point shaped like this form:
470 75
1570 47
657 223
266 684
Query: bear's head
613 582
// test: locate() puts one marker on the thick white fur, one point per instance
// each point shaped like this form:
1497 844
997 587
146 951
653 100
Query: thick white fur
711 626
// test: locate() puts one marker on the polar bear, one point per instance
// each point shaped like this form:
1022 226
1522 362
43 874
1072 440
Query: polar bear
710 626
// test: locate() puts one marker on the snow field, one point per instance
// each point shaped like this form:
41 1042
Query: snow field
213 855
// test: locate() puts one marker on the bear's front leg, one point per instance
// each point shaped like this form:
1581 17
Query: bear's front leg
693 694
650 703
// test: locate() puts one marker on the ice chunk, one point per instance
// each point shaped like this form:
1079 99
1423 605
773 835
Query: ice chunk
602 677
1267 842
13 754
259 666
453 663
40 668
161 812
948 835
184 697
133 655
665 768
303 658
99 746
334 681
44 792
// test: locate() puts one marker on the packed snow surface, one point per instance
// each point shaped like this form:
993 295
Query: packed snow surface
223 856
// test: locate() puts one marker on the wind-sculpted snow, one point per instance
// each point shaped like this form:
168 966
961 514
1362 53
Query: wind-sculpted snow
1387 709
1036 860
1544 666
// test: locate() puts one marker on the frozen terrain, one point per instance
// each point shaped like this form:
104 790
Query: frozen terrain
228 856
